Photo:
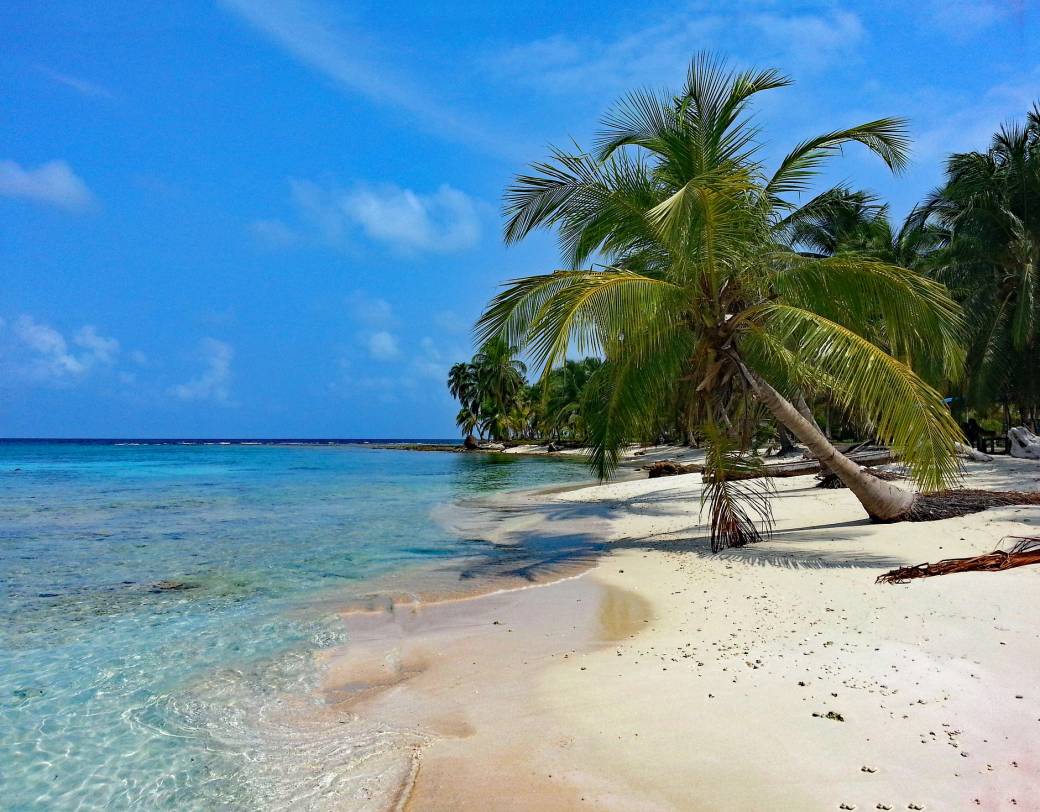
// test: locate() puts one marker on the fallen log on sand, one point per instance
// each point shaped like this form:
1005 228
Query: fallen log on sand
1025 551
879 456
969 453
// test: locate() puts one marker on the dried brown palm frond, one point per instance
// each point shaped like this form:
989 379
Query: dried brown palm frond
1026 550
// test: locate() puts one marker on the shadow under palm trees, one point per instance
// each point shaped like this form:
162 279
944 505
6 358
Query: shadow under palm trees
559 538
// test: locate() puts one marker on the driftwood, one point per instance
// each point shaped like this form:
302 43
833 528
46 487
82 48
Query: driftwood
1025 551
879 456
671 468
1024 444
780 470
969 453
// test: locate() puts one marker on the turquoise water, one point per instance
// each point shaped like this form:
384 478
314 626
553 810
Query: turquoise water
116 692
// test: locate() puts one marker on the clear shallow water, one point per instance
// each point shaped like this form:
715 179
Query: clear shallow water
115 692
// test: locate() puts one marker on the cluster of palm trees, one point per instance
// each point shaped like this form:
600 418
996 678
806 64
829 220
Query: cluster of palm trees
984 226
718 301
978 234
497 402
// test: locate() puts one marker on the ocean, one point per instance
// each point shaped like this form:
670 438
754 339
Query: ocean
164 607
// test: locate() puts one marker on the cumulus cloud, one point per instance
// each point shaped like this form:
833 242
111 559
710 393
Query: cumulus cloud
214 382
98 347
382 345
41 353
370 310
407 221
53 183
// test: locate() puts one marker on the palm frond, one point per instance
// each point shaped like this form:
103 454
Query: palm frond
919 318
735 492
585 310
905 411
887 138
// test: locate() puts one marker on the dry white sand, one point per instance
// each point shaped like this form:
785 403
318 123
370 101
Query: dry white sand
669 678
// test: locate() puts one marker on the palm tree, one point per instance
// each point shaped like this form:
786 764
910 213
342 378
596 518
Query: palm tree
565 397
988 213
843 220
467 421
499 376
699 290
463 386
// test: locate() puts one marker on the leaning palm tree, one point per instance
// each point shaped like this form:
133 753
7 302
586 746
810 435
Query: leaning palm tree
698 289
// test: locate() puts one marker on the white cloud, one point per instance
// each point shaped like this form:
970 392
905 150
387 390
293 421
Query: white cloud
102 349
81 86
430 363
945 122
811 41
451 322
325 39
659 53
383 346
443 221
370 310
214 382
963 19
42 354
53 182
273 233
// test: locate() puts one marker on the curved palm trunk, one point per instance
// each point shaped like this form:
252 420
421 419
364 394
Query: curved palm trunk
882 500
806 412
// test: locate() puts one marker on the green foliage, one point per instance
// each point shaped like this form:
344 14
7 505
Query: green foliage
735 492
701 274
496 399
988 215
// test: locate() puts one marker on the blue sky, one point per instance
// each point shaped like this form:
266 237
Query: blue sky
266 218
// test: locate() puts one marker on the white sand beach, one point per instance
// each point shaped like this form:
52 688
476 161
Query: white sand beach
777 676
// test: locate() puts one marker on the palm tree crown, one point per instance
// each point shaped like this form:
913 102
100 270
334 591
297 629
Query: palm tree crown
698 287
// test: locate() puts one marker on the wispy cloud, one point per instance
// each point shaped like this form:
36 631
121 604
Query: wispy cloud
53 183
430 362
214 382
964 19
325 39
451 322
273 233
406 221
40 353
947 121
81 86
658 54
